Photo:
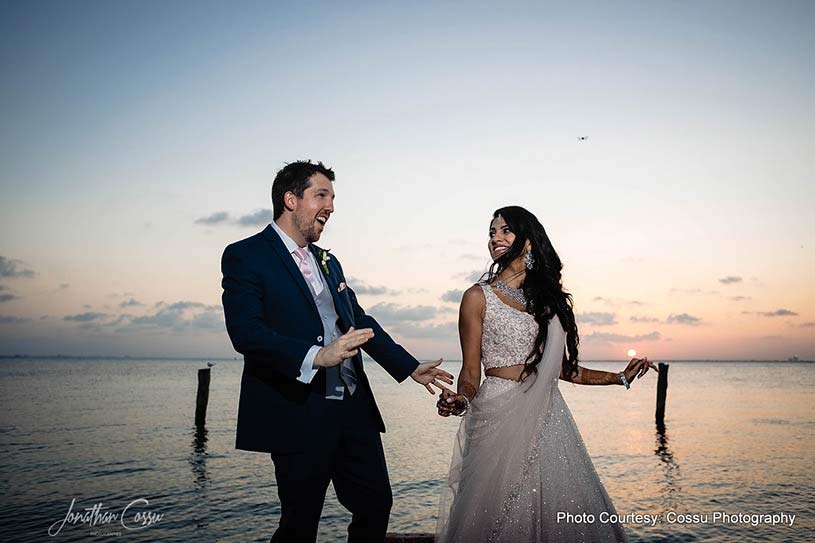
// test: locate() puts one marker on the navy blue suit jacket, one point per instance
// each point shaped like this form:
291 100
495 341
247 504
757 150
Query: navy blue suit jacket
273 321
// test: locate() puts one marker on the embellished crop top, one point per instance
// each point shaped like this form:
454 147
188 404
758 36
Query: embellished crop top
508 334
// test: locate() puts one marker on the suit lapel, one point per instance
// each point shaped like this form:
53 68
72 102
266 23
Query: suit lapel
332 280
288 263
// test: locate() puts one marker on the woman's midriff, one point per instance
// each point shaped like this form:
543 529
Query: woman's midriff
513 373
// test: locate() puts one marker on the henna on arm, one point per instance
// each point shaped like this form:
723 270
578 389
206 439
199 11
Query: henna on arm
467 389
585 376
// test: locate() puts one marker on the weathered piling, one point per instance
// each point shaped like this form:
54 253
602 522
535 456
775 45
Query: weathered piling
662 391
203 397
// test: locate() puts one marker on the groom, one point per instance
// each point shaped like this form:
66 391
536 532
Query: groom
305 397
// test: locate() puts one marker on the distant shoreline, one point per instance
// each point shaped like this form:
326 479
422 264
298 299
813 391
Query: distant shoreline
240 359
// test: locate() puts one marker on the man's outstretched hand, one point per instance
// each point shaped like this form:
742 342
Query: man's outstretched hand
429 374
345 346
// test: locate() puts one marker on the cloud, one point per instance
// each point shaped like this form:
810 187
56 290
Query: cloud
730 279
132 302
474 258
209 320
85 317
175 317
181 306
447 330
739 298
162 319
261 217
91 326
118 294
693 291
452 296
778 313
12 268
614 302
773 337
8 297
470 277
11 319
643 318
389 313
63 286
603 337
683 318
361 287
417 291
807 324
216 218
597 319
3 287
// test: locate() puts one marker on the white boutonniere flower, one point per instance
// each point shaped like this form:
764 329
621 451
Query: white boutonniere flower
324 258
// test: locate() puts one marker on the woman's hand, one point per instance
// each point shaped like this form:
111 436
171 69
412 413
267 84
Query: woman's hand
637 368
451 403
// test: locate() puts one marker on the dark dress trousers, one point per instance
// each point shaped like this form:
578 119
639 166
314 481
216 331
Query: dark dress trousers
272 319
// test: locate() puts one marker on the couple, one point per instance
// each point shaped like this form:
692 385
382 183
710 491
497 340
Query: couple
305 398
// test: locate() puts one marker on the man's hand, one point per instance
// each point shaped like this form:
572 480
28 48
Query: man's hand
428 374
341 348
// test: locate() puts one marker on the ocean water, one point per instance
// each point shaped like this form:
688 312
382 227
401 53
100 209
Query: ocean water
739 439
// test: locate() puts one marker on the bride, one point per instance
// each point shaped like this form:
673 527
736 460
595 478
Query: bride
519 464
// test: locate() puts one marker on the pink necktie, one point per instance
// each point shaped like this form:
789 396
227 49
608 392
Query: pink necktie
305 269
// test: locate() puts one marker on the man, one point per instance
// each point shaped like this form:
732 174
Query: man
304 394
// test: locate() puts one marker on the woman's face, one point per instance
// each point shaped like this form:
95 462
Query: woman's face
501 237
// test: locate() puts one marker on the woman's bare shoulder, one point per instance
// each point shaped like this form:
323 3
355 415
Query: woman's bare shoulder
473 297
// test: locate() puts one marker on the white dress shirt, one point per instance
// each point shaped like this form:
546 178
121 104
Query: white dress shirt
307 369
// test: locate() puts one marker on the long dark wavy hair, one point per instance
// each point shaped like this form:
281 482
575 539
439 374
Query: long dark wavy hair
542 285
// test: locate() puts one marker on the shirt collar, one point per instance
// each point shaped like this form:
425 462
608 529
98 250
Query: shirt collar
290 244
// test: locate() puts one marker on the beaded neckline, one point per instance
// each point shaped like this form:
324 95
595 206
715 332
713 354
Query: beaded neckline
523 311
514 294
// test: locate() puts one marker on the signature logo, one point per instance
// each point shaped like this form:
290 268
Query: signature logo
134 516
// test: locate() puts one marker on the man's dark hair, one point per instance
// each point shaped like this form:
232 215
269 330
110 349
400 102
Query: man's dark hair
294 178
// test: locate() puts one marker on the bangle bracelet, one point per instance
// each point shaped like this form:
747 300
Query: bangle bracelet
624 381
466 405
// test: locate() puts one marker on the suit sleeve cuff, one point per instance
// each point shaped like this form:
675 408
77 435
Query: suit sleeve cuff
307 370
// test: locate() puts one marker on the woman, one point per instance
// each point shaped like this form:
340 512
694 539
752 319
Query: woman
519 466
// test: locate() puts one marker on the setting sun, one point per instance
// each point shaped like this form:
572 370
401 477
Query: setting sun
632 353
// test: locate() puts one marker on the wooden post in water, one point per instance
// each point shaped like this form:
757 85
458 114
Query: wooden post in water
203 397
662 391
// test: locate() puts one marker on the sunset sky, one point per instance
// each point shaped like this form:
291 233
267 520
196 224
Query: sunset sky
140 138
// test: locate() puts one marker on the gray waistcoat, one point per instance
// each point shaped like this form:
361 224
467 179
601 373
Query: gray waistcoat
343 374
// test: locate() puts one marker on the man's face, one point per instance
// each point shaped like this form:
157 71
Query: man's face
313 210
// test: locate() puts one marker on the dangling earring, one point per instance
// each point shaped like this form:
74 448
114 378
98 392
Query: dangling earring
529 260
